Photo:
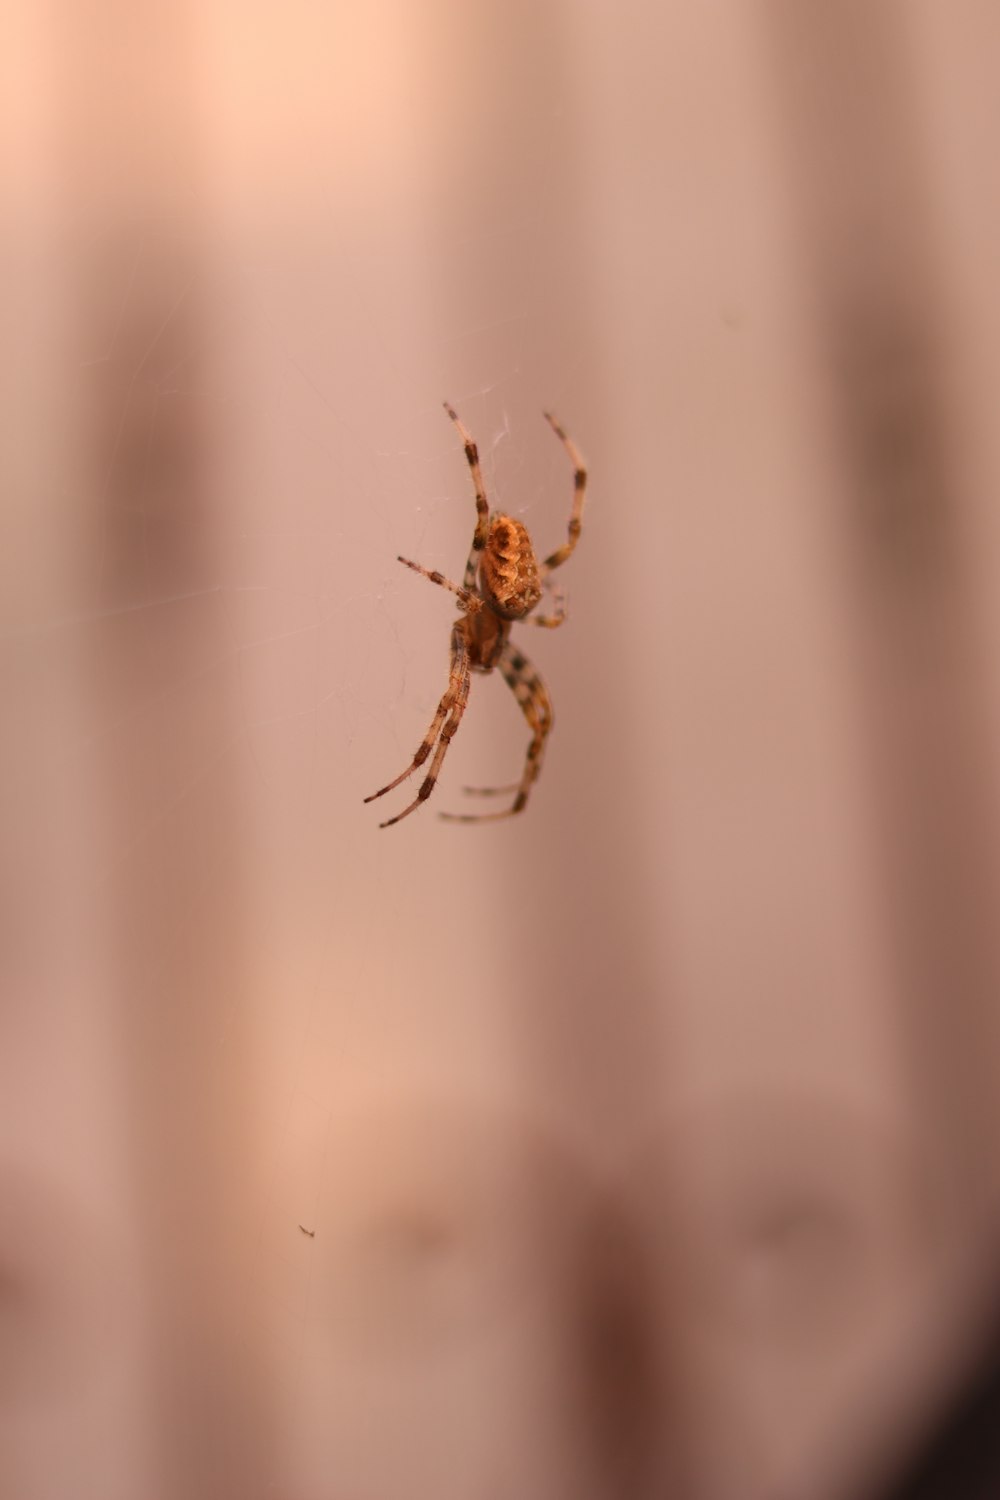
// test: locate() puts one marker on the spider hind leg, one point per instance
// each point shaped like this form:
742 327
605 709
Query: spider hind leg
559 556
482 504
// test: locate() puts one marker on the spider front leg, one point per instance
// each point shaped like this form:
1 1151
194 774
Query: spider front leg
533 698
442 729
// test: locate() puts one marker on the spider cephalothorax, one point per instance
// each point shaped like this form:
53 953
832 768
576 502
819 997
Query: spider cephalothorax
502 584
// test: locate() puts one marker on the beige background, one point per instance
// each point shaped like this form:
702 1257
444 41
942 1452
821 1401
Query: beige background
642 1145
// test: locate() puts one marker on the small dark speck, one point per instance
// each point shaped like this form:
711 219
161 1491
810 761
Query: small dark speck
310 1232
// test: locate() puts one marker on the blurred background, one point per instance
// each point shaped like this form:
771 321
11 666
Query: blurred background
643 1145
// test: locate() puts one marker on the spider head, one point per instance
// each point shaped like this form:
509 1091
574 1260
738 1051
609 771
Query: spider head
508 571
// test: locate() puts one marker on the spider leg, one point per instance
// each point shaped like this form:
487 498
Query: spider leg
559 556
532 696
443 726
482 505
470 601
485 791
424 748
448 730
550 622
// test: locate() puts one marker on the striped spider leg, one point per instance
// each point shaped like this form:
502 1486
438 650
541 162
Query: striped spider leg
442 729
533 698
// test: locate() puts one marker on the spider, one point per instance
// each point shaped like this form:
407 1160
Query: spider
509 585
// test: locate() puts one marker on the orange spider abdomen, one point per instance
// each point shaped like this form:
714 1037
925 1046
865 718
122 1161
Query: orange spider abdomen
508 572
